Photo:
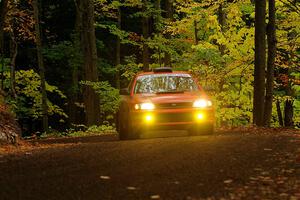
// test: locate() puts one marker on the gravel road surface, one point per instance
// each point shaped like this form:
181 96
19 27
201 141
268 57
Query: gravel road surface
224 166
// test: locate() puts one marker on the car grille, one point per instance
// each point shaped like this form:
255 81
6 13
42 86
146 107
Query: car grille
174 105
174 117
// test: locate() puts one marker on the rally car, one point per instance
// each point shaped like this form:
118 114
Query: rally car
164 99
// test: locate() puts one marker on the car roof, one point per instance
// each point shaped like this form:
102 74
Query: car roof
174 72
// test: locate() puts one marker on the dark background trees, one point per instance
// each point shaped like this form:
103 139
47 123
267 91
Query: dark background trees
90 48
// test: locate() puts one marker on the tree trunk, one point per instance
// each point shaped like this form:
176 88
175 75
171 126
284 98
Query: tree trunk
145 29
73 95
89 52
271 63
260 62
288 113
196 32
73 98
221 19
170 17
279 113
14 53
74 118
158 16
118 50
3 12
41 65
157 29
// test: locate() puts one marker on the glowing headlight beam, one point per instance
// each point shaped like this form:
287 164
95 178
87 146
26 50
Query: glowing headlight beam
202 103
147 106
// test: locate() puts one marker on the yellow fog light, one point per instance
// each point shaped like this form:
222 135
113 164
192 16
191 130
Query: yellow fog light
149 118
200 116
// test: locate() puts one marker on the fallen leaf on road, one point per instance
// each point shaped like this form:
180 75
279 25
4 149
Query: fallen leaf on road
131 188
105 177
266 149
253 178
264 173
155 197
283 195
228 181
280 182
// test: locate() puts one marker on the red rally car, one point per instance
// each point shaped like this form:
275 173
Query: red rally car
164 99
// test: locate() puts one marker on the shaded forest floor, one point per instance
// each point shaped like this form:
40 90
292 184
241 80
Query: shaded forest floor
53 142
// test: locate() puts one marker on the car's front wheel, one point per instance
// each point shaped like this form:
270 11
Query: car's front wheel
126 131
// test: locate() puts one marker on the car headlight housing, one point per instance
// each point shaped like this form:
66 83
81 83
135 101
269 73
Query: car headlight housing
144 106
202 103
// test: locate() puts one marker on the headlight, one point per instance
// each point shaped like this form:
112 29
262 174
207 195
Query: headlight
144 106
202 103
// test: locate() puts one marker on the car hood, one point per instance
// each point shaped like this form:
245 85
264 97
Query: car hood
168 98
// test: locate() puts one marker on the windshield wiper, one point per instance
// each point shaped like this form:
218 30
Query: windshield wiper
169 92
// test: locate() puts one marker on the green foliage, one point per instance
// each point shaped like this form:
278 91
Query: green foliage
297 112
93 130
123 35
223 57
131 67
28 102
4 64
287 61
109 98
102 128
2 100
67 51
90 131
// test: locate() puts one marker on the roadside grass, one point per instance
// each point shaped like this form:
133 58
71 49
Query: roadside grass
32 143
81 131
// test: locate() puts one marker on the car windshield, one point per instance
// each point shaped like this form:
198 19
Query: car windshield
165 83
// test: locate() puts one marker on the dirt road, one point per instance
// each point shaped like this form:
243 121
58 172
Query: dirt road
229 166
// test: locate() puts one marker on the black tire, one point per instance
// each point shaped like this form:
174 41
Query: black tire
126 131
203 129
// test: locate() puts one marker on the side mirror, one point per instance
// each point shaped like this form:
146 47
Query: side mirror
124 91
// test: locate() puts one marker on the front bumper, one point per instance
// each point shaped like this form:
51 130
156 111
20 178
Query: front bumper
172 118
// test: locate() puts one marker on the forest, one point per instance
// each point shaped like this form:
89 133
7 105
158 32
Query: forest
63 63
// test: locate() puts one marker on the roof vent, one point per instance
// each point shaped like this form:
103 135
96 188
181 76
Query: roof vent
162 69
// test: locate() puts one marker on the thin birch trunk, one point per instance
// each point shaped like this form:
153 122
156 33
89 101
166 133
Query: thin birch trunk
41 65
